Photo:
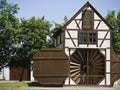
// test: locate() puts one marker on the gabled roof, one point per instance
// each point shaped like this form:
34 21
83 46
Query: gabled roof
86 5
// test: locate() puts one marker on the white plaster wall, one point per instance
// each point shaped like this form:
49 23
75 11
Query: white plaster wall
107 54
31 77
72 25
69 43
66 35
92 46
75 41
107 79
102 82
74 34
106 43
95 24
79 16
96 16
67 51
107 66
6 73
1 74
108 35
103 26
101 34
83 45
71 81
79 22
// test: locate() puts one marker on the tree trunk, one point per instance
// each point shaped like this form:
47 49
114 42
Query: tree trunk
21 75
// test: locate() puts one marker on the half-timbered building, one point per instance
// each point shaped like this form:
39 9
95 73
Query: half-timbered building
86 39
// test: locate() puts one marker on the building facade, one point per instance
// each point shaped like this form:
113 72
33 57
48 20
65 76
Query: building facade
86 39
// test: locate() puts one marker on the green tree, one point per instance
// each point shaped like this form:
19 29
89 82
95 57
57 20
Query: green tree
65 20
8 28
114 21
33 35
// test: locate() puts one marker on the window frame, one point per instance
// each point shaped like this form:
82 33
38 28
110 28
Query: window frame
88 37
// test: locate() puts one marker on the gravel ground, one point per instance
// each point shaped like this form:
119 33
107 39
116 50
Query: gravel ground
68 88
116 87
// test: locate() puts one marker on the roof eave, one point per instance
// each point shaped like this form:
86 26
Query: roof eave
58 31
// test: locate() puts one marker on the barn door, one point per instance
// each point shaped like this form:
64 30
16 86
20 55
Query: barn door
87 66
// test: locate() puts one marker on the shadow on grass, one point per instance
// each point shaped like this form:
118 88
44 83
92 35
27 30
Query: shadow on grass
37 84
34 84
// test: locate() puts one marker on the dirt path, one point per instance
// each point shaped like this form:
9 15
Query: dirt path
68 88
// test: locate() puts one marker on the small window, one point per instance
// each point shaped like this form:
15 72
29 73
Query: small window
90 38
83 37
55 42
59 39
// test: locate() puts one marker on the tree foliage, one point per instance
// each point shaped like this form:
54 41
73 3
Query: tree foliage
114 21
32 37
21 38
9 25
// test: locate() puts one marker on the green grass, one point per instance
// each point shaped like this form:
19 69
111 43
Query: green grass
18 85
12 85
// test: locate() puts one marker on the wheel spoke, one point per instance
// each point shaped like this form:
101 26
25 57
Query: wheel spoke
85 62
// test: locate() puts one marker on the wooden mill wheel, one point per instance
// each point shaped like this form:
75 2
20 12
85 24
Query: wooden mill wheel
87 66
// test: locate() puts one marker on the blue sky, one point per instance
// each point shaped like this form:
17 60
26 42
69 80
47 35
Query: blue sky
55 10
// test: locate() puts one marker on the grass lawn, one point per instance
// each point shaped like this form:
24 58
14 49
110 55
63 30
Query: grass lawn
12 85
